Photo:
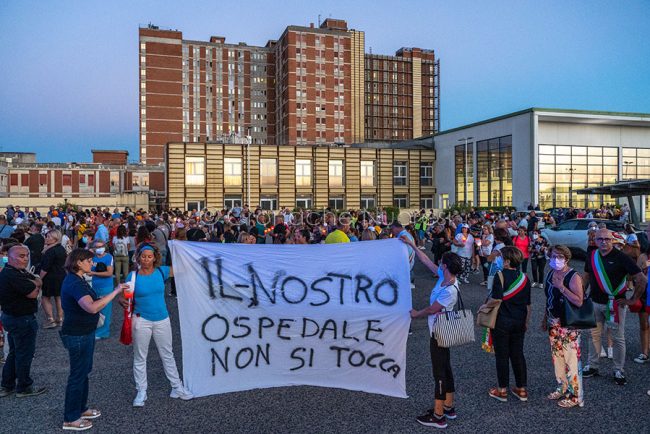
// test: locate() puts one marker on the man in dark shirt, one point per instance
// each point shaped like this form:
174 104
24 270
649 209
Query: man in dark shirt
532 223
195 233
18 292
35 243
606 271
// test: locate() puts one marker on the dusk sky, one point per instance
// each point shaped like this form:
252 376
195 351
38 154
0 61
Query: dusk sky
69 69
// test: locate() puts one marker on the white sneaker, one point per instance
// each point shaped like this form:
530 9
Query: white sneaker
603 352
140 398
610 353
641 358
181 393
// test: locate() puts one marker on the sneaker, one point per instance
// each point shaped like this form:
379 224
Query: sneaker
610 353
50 324
450 413
181 393
620 378
431 419
603 352
588 371
641 358
5 392
140 398
484 283
31 391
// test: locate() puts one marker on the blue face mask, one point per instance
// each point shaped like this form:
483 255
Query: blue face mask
5 260
85 240
498 262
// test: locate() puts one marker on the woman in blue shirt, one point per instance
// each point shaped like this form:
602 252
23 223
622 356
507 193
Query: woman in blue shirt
81 305
151 319
102 274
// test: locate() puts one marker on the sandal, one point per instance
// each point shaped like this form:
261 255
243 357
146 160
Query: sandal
554 396
520 392
50 324
499 395
59 321
91 413
570 402
78 425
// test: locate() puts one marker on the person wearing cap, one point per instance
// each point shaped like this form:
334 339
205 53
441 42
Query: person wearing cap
151 320
398 231
463 245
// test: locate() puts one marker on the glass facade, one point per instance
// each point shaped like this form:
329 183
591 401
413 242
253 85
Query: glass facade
636 165
564 169
464 165
494 172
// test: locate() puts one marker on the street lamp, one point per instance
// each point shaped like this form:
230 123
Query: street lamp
571 170
627 164
249 140
465 163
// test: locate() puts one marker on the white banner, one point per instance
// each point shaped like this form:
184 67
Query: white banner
256 316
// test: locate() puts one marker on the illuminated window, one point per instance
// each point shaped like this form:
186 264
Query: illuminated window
194 170
232 171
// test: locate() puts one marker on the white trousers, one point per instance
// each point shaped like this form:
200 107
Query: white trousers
161 331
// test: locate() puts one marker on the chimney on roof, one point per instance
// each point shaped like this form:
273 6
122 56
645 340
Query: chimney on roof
311 25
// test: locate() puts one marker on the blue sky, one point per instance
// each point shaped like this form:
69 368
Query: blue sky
68 74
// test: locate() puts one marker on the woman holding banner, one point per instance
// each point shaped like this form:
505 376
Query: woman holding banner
443 297
151 319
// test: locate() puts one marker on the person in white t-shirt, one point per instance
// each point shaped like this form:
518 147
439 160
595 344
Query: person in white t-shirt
443 297
464 247
486 243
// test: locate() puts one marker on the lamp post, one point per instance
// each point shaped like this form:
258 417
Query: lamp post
249 140
465 164
627 164
571 170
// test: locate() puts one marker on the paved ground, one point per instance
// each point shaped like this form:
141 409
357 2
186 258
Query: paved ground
609 408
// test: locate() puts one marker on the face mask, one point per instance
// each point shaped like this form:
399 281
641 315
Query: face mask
441 273
5 260
535 236
85 240
100 251
498 262
557 264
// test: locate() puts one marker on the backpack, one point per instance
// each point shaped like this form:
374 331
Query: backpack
120 248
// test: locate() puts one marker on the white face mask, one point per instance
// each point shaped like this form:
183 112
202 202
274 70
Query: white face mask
557 264
535 236
100 251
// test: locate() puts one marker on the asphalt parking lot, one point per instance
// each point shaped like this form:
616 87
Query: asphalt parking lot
608 407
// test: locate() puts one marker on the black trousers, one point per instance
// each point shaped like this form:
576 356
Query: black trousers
508 339
538 266
524 266
486 270
442 374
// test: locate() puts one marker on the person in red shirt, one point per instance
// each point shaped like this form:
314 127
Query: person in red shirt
522 242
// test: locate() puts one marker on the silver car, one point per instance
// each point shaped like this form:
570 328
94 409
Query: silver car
573 233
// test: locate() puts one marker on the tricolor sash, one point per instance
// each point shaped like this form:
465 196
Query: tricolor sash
486 341
606 286
516 287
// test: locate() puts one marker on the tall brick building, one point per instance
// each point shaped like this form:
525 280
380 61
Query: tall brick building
314 85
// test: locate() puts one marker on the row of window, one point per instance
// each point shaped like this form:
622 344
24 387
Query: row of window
334 203
195 172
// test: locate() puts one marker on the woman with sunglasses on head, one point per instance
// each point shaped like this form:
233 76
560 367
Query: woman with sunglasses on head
151 319
563 284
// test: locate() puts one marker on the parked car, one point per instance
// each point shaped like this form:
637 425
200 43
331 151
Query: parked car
573 233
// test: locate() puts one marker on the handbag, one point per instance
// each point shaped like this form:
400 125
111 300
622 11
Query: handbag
487 315
575 317
456 327
101 320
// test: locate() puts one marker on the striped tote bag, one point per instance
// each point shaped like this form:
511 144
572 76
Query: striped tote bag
456 327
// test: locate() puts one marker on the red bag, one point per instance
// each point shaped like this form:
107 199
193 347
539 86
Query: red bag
637 307
126 335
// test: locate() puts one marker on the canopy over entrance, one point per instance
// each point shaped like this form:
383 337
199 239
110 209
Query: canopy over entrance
629 189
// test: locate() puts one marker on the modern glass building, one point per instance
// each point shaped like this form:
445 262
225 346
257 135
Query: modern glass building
542 156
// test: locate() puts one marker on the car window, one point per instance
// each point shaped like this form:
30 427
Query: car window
568 225
582 225
614 226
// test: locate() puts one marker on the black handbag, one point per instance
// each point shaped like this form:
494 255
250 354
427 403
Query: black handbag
575 317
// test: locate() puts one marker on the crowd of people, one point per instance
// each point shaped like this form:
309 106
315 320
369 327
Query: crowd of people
76 262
